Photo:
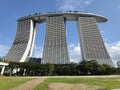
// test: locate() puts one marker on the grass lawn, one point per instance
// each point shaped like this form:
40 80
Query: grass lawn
9 82
109 83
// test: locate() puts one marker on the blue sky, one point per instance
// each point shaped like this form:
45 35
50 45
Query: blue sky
11 10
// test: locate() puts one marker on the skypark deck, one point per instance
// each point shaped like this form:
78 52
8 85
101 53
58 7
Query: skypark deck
69 16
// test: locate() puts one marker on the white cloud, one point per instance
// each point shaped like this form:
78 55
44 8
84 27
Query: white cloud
38 51
3 50
74 52
114 50
88 2
66 5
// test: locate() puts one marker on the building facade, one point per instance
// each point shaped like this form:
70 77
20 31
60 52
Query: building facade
23 44
55 45
92 45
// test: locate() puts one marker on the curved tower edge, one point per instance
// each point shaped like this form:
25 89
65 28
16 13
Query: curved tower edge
27 51
22 46
34 37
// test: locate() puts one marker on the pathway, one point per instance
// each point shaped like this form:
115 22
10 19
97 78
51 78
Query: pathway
30 85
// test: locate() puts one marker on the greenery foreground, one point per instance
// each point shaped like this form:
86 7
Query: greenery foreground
9 82
107 82
49 69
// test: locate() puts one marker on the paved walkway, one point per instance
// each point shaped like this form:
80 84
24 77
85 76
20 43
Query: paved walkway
30 85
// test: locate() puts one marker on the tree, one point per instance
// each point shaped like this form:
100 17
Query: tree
88 67
72 69
108 69
0 59
50 69
84 67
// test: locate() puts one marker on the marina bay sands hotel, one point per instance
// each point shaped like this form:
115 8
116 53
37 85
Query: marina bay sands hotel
55 45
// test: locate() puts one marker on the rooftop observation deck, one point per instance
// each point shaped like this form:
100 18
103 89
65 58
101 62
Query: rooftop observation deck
69 16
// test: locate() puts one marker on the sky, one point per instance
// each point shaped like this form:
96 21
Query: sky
11 10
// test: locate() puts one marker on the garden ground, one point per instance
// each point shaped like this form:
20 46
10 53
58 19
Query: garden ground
63 82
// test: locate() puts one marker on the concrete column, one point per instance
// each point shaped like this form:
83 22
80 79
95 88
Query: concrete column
55 47
2 71
92 44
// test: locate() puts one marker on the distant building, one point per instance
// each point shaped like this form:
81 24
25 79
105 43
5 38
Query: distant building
35 60
118 63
